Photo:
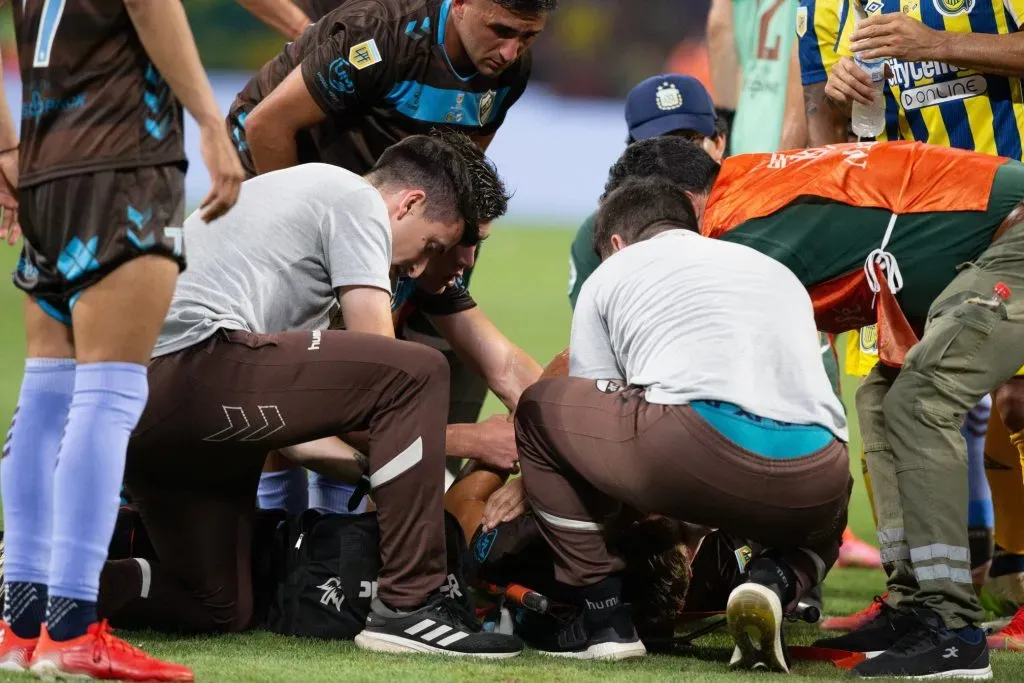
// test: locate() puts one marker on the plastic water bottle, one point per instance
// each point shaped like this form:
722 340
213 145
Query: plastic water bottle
868 120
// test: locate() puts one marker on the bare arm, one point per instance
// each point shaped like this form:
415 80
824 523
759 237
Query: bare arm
9 227
165 34
506 367
725 69
330 457
271 127
794 123
368 310
897 35
281 15
826 124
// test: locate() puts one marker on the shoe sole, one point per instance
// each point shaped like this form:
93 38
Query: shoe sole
754 615
386 642
48 670
962 674
609 652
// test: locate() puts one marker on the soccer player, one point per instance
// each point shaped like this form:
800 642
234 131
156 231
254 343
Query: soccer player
669 104
100 178
755 70
662 412
244 364
672 568
833 215
821 26
370 73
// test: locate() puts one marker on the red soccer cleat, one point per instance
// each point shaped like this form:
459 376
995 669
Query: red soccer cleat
1011 637
855 620
99 654
857 553
15 652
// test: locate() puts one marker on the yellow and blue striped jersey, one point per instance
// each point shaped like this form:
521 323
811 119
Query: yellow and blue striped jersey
821 25
944 104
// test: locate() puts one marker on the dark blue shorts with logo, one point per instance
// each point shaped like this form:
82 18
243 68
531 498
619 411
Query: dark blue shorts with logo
79 228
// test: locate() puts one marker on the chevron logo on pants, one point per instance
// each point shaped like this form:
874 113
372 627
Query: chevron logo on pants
240 428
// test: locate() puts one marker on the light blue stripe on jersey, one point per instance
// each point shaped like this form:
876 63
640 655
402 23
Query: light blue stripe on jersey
1007 133
438 105
772 439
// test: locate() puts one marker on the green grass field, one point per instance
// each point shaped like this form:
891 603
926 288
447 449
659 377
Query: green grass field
521 284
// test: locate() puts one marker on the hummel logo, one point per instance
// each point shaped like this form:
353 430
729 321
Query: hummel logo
950 652
240 429
315 342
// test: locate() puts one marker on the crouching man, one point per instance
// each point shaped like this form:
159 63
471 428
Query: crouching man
696 392
244 364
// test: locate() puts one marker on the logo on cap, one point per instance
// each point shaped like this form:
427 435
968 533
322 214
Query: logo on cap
668 97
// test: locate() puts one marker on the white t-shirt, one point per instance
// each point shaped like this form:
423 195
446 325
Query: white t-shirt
691 318
273 262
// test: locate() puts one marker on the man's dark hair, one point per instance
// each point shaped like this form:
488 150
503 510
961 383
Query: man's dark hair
528 7
639 209
676 159
459 180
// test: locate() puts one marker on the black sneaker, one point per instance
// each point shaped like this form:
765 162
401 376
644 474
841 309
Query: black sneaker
876 636
754 614
442 626
612 636
929 650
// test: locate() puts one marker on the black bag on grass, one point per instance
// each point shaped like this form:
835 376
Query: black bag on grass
331 563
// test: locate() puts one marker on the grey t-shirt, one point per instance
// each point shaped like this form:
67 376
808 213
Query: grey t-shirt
273 263
695 319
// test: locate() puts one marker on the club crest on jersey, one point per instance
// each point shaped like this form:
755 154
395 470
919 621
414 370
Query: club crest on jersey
744 555
364 54
668 97
952 8
801 21
608 386
487 106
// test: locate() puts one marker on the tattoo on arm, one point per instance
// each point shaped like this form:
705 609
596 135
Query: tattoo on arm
826 121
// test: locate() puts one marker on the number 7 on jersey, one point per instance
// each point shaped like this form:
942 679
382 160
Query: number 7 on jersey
49 19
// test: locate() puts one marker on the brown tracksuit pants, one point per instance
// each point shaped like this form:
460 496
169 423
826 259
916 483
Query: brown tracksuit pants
584 451
214 411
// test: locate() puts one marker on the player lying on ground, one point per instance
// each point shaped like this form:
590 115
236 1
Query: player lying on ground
244 365
443 296
101 167
832 215
672 569
664 413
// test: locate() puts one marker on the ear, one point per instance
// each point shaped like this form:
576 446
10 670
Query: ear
617 243
458 8
408 203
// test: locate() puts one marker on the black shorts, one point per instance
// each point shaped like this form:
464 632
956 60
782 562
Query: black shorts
80 228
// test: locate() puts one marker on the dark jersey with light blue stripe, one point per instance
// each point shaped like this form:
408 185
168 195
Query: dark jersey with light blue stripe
91 98
379 70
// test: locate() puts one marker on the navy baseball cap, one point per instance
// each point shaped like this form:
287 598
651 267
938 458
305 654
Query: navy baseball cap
667 103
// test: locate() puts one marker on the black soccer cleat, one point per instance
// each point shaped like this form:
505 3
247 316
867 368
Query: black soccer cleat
874 637
930 651
754 615
442 627
607 634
